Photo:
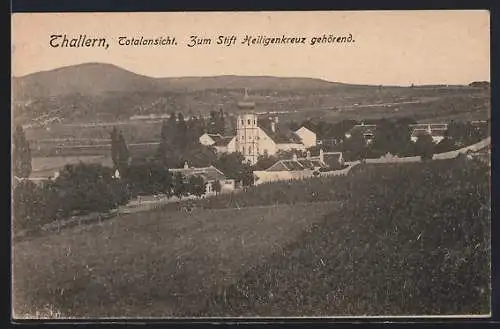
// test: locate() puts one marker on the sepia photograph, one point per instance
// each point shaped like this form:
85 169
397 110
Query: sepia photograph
251 165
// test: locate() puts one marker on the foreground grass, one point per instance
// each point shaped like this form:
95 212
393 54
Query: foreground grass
151 263
415 240
410 239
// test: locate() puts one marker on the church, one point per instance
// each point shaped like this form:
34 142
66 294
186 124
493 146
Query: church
259 136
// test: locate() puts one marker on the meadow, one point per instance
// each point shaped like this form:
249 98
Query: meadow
150 264
385 240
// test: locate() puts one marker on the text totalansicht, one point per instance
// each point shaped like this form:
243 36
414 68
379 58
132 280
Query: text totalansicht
142 41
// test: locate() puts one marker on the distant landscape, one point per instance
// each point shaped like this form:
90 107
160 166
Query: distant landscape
70 111
96 92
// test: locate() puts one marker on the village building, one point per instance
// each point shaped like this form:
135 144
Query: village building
436 130
210 175
299 168
367 131
209 139
307 136
259 136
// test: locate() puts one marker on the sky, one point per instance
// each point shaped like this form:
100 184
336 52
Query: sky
389 48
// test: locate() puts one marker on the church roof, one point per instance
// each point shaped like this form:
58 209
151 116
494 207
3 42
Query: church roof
223 141
280 135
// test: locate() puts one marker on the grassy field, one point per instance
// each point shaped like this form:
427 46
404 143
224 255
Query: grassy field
414 241
402 239
151 264
43 167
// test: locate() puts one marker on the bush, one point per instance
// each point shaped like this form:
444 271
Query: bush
80 189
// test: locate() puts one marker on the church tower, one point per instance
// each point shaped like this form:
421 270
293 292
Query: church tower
247 138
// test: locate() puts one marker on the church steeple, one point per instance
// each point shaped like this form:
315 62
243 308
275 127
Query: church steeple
246 104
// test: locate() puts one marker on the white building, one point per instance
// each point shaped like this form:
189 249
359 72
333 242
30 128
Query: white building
209 139
436 130
300 168
255 137
307 136
210 175
367 131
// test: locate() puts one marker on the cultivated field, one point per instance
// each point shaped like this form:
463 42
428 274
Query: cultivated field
151 264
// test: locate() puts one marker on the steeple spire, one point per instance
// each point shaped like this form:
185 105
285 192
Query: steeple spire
246 104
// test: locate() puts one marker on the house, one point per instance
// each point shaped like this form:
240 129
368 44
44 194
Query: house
367 131
209 139
436 130
259 136
307 136
299 168
210 175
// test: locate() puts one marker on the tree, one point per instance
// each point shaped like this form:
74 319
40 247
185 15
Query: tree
217 186
86 188
246 177
221 125
26 205
149 177
123 153
196 185
180 187
424 146
119 151
231 164
445 145
21 154
180 139
114 147
265 161
293 125
354 147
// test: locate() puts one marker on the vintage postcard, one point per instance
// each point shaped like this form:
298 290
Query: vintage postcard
251 165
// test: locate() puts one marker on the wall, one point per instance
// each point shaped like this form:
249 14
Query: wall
266 143
273 176
453 154
394 159
231 147
290 146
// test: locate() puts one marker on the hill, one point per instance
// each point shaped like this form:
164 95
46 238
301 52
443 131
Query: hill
99 78
97 92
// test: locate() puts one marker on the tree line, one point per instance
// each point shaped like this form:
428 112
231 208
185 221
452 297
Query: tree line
391 136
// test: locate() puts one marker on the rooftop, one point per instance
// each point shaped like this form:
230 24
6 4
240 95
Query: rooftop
207 173
223 141
280 135
363 129
329 160
436 132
